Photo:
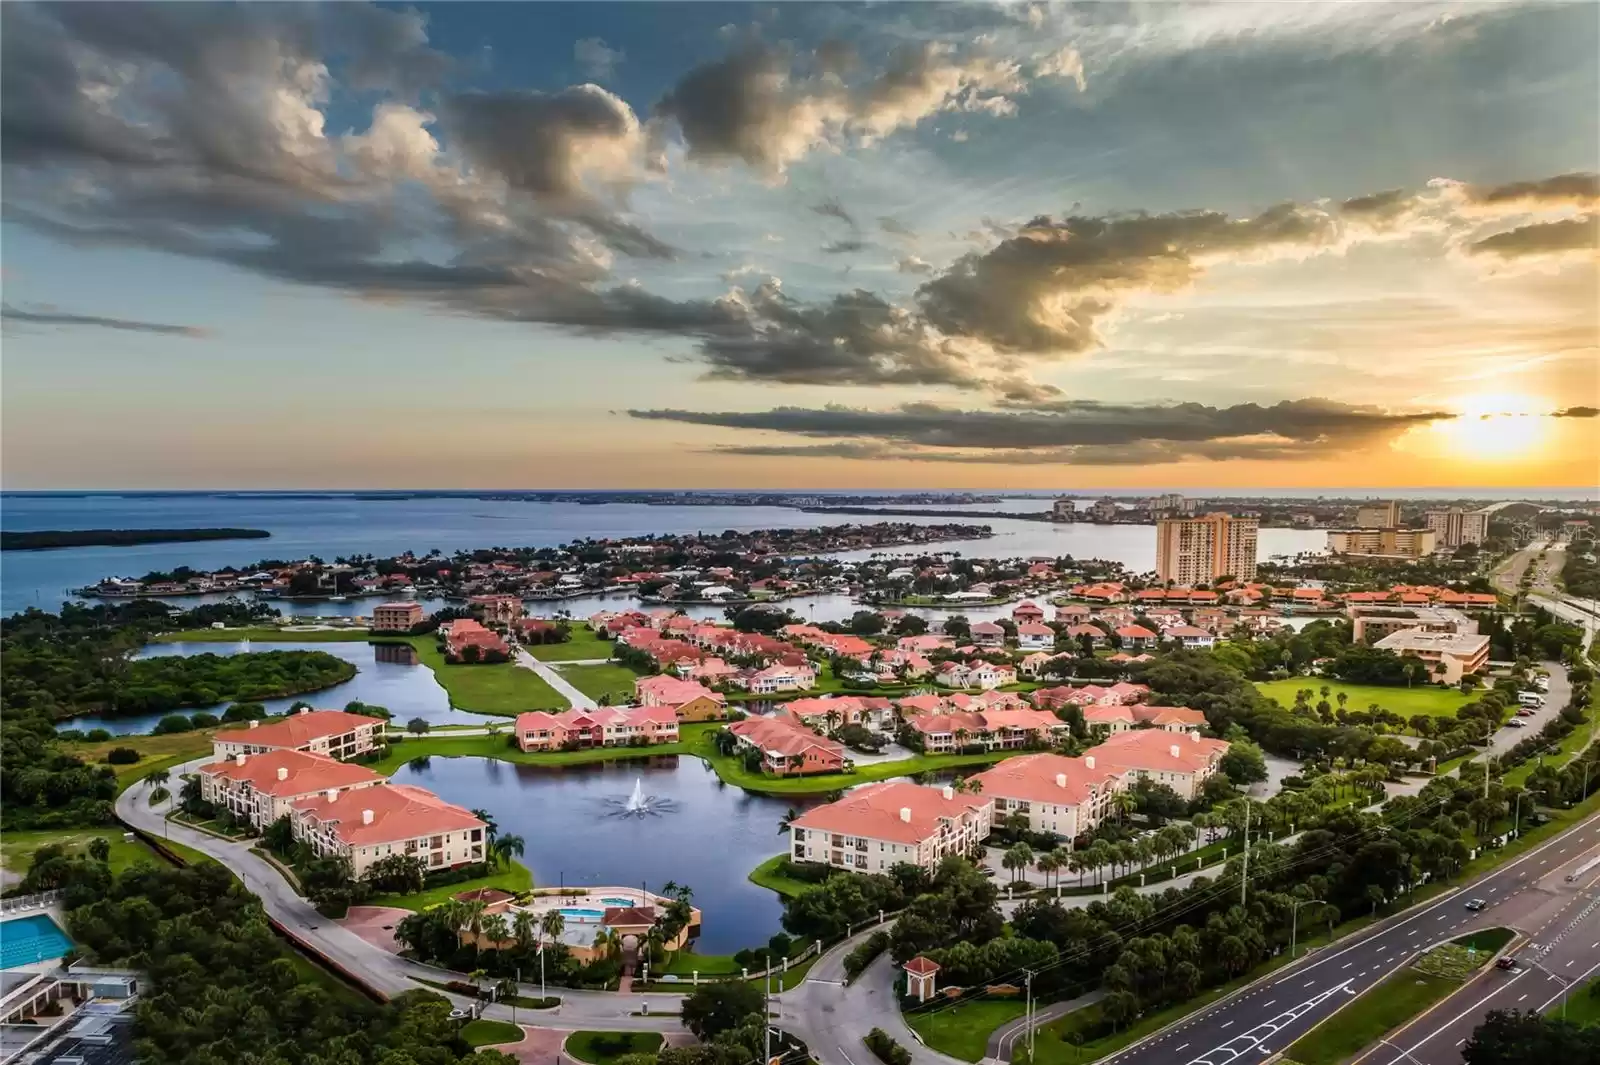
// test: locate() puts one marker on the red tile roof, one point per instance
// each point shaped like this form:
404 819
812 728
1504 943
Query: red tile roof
286 772
297 730
1156 751
1050 778
399 812
897 811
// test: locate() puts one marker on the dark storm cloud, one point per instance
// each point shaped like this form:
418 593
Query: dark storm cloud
1075 430
56 318
1542 238
1580 189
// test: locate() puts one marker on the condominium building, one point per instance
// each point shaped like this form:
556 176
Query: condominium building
258 789
1063 510
1181 762
1382 543
396 617
374 823
879 826
1192 551
1449 656
330 732
1455 526
787 747
605 726
1060 795
689 701
1104 510
495 609
1379 515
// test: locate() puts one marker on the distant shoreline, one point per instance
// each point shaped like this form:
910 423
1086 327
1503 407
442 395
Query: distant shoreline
50 539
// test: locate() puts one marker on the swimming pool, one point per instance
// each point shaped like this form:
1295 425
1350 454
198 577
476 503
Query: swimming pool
35 938
581 915
620 902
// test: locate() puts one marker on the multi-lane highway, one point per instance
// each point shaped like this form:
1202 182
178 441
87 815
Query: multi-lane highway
1264 1018
1558 951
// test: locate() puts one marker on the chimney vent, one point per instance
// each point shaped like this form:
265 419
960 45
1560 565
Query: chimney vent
1176 750
332 794
305 709
1088 761
905 814
283 772
254 723
366 817
238 759
1061 780
949 792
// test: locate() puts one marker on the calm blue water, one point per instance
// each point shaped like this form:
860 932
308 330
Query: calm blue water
710 840
35 938
388 676
332 527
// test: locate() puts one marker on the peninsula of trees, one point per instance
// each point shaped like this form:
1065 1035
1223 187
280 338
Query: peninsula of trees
45 539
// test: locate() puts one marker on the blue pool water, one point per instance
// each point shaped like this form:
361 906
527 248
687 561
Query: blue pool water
26 940
619 902
574 914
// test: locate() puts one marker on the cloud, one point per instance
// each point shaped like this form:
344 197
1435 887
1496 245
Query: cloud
770 107
912 264
1542 238
896 228
1576 412
1379 208
54 318
595 58
1073 431
1577 189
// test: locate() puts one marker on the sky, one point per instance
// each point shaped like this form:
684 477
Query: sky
990 246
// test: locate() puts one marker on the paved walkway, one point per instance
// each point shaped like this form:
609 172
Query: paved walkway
1004 1039
553 677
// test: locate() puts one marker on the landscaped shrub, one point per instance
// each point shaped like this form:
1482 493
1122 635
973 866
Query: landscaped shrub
884 1047
122 756
460 874
172 723
863 954
204 720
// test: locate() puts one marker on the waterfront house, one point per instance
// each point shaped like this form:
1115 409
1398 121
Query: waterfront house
466 640
1190 636
707 671
1027 610
988 634
396 617
260 788
787 747
1035 635
495 609
1061 796
832 712
689 701
774 679
878 826
372 823
991 729
328 732
1076 633
1137 637
605 726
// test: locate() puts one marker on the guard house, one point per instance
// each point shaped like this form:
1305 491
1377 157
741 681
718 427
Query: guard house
922 976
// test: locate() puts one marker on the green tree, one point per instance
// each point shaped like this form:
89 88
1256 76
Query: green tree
715 1008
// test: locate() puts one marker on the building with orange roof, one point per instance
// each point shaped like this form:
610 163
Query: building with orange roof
876 827
688 700
788 748
1182 762
368 824
1137 637
496 609
1027 610
260 788
464 639
1035 635
1059 795
873 712
330 732
396 617
605 726
994 729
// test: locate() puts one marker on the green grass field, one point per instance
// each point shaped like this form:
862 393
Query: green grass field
1570 748
615 681
514 878
766 874
1583 1005
155 752
484 1033
603 1048
1379 1011
444 745
1424 699
264 634
583 644
963 1031
16 848
502 688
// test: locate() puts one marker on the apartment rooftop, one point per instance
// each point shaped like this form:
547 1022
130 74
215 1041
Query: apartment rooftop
285 772
297 730
1417 641
896 811
1048 778
388 812
1155 750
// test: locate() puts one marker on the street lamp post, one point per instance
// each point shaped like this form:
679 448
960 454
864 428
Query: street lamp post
1403 1051
1294 923
1566 985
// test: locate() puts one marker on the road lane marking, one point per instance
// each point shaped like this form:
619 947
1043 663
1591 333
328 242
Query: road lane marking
1274 1002
1184 1047
1228 1025
1520 999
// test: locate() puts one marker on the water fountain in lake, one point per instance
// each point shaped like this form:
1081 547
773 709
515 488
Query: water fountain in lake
638 804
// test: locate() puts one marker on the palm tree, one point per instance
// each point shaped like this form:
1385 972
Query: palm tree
507 847
156 776
1047 864
475 977
508 991
1123 803
496 930
474 913
553 923
491 828
525 929
787 819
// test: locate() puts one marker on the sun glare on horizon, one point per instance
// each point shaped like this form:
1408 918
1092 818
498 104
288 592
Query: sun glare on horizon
1493 426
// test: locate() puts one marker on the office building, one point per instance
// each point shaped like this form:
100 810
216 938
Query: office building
1379 515
1191 551
1455 526
1449 656
1382 543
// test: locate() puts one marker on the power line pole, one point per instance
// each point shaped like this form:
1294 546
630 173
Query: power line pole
1244 878
766 1019
1027 1024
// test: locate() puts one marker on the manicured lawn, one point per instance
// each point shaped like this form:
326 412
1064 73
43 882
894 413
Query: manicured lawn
1369 1018
603 1048
264 635
597 681
766 874
963 1031
483 1033
1583 1005
1485 942
443 745
688 962
16 848
501 688
514 878
583 644
1423 699
156 752
733 771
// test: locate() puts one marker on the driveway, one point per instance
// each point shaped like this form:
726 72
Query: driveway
575 698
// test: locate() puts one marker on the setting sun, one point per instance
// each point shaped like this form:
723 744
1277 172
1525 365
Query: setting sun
1494 426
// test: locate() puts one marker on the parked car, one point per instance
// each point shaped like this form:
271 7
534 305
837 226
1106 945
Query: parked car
1516 723
1524 712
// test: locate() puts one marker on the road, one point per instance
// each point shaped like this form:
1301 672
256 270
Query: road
1562 926
1560 691
575 698
1270 1014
